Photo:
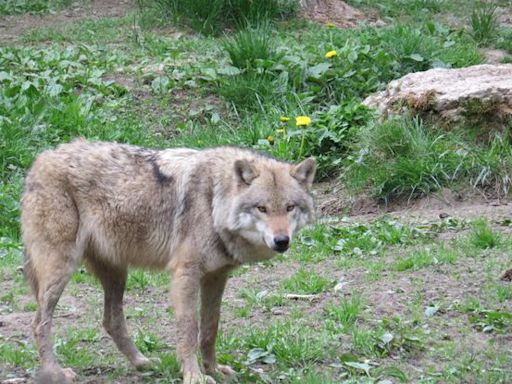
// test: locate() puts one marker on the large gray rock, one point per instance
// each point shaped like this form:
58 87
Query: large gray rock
449 93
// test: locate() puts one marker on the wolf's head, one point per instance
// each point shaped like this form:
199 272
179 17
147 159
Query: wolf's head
272 201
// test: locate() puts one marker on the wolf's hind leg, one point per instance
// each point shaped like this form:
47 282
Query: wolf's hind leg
113 280
50 279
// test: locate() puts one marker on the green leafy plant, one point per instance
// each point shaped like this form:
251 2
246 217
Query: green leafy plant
489 321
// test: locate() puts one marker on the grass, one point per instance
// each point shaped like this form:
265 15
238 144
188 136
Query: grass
484 22
13 7
249 46
406 159
482 236
305 282
345 313
426 257
376 291
210 17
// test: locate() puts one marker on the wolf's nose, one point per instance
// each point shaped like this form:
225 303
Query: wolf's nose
282 241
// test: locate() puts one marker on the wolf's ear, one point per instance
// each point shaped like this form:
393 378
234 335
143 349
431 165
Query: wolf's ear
245 172
304 172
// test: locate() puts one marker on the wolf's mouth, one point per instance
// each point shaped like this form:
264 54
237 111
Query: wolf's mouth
280 249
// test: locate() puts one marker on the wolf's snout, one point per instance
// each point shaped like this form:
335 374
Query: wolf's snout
281 242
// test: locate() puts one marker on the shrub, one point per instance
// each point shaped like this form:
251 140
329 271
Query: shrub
329 137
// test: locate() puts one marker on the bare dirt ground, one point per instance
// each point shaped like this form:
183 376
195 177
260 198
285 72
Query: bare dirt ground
332 199
12 27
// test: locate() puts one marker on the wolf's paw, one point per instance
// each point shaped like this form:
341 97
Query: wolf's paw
55 375
222 372
197 378
142 363
226 371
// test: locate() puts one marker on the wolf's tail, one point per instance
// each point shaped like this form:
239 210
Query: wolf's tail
30 273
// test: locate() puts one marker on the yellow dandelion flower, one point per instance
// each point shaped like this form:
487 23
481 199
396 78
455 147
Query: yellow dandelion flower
331 54
284 119
302 121
280 130
330 25
270 140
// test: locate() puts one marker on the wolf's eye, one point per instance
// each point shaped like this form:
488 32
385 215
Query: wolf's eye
262 209
290 207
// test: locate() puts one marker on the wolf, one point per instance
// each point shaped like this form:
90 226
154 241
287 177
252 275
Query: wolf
197 214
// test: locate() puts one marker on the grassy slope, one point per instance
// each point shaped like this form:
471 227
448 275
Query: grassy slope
392 301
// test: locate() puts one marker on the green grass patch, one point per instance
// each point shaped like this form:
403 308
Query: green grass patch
259 298
148 342
358 240
16 7
306 282
90 31
423 258
346 312
17 354
482 235
393 337
289 343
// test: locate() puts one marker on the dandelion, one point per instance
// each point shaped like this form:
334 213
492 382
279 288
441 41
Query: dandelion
280 130
284 119
270 140
331 54
330 25
302 121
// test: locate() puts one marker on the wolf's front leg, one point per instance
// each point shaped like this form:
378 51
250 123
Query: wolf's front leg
212 288
184 295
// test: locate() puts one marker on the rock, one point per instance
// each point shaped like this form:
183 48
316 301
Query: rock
452 94
494 56
338 13
507 276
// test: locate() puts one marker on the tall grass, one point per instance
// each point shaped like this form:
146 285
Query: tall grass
403 158
250 47
400 158
211 17
484 22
